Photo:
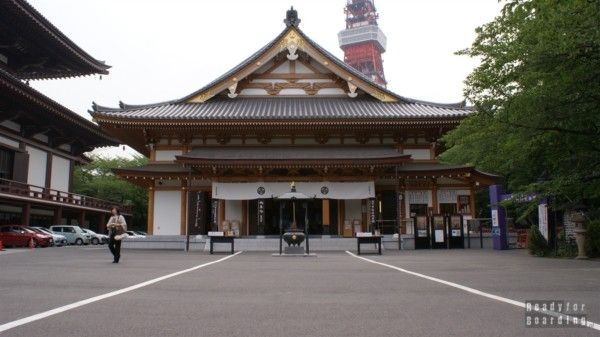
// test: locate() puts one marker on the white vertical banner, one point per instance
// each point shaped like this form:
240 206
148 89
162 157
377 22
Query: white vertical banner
543 219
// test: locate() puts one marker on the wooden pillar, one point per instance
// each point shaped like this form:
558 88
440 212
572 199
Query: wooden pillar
57 218
402 205
341 216
48 182
434 198
364 218
81 219
325 213
183 209
71 170
244 227
221 215
472 202
26 214
150 225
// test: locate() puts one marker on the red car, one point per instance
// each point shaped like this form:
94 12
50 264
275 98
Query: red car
21 236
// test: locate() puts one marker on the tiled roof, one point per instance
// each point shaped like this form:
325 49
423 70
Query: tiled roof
283 108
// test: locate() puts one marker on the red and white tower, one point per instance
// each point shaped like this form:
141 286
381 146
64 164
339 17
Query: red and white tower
362 41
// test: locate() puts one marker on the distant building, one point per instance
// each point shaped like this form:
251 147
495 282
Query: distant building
293 112
40 140
362 41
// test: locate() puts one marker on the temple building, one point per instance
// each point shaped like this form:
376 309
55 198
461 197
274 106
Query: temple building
40 140
294 113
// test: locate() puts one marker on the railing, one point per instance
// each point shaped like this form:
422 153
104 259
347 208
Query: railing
47 194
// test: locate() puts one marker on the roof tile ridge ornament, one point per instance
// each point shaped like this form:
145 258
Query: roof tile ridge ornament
291 18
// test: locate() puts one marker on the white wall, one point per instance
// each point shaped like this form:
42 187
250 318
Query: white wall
164 155
233 210
61 171
37 166
418 154
353 209
167 213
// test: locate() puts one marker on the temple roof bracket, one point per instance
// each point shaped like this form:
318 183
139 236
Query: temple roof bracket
352 88
232 88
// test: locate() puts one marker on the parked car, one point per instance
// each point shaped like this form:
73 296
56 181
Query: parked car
22 236
134 235
97 239
141 233
59 240
74 234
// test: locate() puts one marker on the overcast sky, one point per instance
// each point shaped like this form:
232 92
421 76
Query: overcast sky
162 50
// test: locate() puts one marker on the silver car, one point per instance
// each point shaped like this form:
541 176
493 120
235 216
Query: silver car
97 239
59 240
74 234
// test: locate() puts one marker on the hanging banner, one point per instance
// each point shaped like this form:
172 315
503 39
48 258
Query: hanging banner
261 216
214 214
197 212
318 190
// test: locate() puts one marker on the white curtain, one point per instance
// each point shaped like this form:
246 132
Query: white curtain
319 190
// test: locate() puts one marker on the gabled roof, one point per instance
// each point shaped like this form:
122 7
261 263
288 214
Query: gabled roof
32 37
207 103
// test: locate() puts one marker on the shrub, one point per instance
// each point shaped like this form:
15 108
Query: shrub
592 239
566 247
537 244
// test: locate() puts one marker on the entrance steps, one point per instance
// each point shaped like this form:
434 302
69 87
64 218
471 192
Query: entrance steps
251 243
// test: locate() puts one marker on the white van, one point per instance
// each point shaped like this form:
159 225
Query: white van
74 234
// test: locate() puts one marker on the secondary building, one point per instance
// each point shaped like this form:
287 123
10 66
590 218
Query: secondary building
40 140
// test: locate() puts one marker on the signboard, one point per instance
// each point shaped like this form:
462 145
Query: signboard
543 219
439 235
495 222
371 210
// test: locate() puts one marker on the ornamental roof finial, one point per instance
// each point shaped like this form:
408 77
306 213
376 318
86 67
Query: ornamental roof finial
291 18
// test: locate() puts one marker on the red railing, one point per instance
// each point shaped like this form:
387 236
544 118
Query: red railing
47 194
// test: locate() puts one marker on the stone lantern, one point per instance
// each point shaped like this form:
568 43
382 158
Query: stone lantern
578 218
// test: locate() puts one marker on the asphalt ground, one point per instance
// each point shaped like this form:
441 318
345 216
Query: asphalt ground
256 294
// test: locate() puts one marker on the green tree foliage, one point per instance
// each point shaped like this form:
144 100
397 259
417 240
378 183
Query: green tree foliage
536 243
537 100
96 179
592 243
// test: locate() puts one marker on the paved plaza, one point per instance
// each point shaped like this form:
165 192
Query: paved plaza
173 293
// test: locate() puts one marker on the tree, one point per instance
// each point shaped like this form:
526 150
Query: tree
96 179
536 95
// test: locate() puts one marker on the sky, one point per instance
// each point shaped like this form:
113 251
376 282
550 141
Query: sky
163 50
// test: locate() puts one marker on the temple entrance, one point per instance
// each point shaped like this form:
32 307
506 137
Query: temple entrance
309 211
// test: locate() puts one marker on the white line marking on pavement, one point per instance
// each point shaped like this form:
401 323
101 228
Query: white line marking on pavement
589 324
55 311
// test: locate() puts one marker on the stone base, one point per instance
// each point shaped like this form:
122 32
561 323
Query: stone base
293 250
294 255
